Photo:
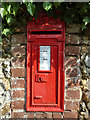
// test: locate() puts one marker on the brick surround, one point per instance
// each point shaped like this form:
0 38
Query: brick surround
72 76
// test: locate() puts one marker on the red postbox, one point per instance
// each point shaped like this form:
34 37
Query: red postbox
45 64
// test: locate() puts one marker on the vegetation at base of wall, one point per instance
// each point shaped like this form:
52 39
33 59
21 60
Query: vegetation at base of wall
16 13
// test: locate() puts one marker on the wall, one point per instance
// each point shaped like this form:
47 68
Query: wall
17 81
85 76
5 79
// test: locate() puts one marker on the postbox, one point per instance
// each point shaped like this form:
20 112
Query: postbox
45 64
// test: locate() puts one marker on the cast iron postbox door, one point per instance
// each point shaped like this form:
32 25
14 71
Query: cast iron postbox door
45 72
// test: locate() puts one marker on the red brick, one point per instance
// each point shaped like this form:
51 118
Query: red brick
30 115
18 93
56 115
72 50
72 105
5 49
17 104
72 94
87 31
18 72
70 114
43 115
73 82
85 40
72 72
74 28
6 41
19 39
72 39
18 114
72 61
75 72
18 50
19 83
21 29
18 61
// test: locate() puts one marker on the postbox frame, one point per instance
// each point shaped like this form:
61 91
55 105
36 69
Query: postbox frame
32 27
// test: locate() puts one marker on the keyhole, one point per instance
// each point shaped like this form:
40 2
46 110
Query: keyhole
39 79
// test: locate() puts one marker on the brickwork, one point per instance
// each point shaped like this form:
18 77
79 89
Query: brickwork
73 89
70 114
85 70
72 79
5 78
18 82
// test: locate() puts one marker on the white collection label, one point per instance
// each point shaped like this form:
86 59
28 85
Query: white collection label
45 57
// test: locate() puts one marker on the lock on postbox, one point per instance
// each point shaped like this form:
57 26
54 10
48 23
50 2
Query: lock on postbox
45 65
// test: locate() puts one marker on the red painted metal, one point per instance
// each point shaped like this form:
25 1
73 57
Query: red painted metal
45 88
